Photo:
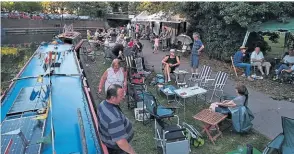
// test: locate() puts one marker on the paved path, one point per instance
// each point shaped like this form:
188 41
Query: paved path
267 111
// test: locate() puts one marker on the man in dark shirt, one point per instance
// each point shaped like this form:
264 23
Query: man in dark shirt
116 50
116 130
137 46
238 62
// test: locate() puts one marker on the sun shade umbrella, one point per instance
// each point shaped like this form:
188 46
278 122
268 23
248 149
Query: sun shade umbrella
185 39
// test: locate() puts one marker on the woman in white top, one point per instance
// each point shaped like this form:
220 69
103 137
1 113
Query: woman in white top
113 75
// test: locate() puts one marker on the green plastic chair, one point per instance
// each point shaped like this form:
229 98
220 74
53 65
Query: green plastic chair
284 142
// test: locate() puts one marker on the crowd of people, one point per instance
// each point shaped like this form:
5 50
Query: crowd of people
116 129
257 59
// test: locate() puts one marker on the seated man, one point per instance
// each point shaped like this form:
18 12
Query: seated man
238 62
257 59
288 61
170 63
117 51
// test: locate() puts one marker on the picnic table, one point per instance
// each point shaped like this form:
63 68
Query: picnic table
210 119
185 93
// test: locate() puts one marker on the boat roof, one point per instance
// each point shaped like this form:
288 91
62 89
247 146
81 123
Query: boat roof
19 113
70 35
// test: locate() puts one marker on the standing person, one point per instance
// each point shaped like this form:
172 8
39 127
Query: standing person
168 37
156 44
113 75
116 130
137 31
196 51
89 36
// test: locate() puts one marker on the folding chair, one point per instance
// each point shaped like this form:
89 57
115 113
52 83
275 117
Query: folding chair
169 137
136 80
204 76
236 70
284 142
218 84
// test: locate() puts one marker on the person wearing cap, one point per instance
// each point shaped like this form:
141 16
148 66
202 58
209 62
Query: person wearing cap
238 62
196 51
170 63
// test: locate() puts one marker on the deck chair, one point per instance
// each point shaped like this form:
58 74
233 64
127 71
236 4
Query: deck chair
204 76
169 137
135 69
218 84
284 142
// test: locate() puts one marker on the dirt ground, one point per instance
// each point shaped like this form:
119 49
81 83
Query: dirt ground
278 91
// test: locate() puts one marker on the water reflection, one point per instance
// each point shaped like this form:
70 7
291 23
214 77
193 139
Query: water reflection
20 39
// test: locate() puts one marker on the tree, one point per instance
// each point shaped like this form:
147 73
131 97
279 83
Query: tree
222 25
7 6
154 7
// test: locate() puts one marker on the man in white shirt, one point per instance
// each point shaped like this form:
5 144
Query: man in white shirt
287 66
257 59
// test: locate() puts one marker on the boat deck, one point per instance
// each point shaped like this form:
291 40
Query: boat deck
32 130
23 103
19 111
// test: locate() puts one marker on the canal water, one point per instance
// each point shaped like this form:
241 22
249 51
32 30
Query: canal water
21 39
11 63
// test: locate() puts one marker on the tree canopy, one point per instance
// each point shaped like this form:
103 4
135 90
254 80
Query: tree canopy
222 25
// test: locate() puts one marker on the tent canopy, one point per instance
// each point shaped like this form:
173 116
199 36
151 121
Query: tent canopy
160 17
143 16
274 26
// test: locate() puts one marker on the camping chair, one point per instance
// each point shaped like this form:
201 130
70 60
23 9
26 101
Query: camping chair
287 77
135 95
169 137
218 84
136 80
284 142
236 70
204 76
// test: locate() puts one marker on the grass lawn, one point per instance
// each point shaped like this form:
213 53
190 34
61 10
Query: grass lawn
277 48
143 141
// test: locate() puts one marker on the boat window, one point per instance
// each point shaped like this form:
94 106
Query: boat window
68 41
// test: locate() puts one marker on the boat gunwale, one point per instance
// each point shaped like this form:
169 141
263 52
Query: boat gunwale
89 97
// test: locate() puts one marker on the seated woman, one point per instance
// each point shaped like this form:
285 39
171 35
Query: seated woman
226 106
288 62
170 62
113 75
